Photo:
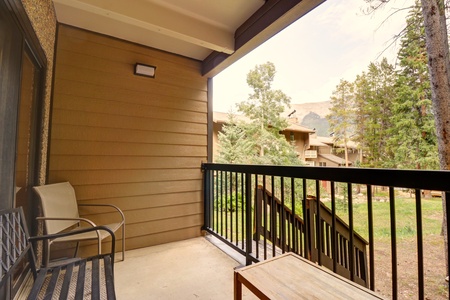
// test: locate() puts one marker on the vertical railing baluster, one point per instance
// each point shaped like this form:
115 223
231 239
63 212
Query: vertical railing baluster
221 203
306 226
207 198
213 199
236 195
282 218
248 218
257 220
231 206
293 225
226 204
243 206
393 243
371 238
447 213
265 215
333 226
419 245
216 204
318 225
273 217
351 233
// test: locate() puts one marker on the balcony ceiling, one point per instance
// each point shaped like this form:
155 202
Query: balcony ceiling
216 32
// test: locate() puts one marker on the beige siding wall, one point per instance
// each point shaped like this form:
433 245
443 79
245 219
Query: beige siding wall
300 139
129 140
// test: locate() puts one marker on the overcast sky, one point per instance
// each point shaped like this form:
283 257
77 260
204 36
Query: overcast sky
335 41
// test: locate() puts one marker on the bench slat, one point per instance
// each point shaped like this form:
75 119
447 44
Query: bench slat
109 278
79 294
66 284
37 285
52 284
95 279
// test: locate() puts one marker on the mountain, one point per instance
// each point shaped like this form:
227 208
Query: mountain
314 121
312 115
320 108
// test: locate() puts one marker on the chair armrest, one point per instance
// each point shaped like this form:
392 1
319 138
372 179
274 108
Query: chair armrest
66 219
75 232
107 205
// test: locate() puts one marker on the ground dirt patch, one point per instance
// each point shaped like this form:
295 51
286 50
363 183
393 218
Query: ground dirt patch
434 268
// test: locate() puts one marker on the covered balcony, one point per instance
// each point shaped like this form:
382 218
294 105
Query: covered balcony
75 109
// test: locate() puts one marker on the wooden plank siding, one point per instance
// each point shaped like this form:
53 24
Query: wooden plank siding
129 140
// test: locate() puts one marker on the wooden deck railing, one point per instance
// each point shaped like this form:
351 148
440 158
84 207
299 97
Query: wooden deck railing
294 236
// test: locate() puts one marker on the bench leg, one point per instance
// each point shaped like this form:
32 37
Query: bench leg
237 287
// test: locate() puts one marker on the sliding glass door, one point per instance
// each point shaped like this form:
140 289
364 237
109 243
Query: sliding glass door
21 97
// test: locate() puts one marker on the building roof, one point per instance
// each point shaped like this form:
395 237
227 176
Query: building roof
326 140
315 142
333 158
222 118
329 141
299 128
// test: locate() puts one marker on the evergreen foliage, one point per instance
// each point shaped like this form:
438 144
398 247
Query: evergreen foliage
234 145
259 141
390 109
413 137
342 115
374 92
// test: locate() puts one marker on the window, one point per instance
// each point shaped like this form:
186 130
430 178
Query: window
322 164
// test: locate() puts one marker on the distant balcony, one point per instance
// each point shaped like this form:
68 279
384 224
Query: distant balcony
311 154
373 226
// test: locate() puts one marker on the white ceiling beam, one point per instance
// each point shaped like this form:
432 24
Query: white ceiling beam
157 19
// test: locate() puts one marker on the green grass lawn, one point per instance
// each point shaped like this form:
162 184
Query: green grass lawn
405 214
405 217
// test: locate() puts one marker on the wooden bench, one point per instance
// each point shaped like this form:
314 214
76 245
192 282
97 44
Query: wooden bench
84 278
290 276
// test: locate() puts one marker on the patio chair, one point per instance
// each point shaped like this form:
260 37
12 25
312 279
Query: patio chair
60 213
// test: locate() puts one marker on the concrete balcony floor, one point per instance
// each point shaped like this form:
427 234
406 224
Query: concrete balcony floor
190 269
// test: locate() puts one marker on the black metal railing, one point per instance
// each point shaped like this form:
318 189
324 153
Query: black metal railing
292 239
283 219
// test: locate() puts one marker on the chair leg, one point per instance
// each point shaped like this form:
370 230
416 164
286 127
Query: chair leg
46 253
76 249
123 242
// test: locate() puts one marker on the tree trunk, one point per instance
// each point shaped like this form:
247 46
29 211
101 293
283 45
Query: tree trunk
439 67
346 155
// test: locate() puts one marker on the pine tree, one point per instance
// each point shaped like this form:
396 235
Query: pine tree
234 146
342 115
379 92
263 108
413 138
361 92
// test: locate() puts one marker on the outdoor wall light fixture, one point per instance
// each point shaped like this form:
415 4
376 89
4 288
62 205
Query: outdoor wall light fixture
144 70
